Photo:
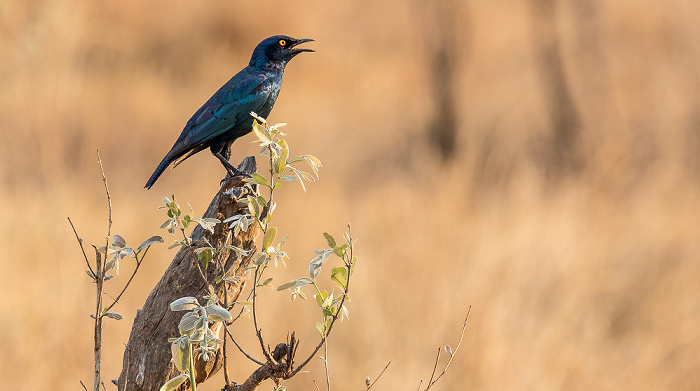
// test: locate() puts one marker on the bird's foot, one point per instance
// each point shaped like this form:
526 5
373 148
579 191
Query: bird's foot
236 173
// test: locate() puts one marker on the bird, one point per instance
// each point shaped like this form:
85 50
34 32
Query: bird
226 116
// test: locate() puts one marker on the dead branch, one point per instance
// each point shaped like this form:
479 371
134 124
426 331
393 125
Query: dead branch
148 364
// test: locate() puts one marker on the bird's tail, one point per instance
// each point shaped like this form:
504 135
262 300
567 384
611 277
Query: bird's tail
159 170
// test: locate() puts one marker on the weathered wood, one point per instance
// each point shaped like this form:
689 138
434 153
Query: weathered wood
147 361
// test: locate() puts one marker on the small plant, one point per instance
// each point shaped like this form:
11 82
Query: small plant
199 333
281 168
107 259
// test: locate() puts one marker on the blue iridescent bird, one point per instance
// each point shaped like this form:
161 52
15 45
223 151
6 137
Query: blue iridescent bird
226 115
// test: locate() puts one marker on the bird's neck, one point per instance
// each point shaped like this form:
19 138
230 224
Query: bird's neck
274 67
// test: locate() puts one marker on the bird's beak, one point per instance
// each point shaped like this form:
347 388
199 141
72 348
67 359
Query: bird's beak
296 51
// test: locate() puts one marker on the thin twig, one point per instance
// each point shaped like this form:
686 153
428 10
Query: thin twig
80 242
258 332
452 355
194 255
81 383
325 365
101 265
241 349
315 385
380 375
226 378
136 269
109 203
437 359
348 266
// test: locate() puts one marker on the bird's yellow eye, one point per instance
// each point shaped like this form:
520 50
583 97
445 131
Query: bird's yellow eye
283 42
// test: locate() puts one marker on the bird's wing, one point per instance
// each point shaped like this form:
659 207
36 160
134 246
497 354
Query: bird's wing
230 105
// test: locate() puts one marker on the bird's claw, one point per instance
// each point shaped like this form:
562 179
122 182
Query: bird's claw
236 173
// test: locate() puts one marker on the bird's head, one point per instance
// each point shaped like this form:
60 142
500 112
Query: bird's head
278 49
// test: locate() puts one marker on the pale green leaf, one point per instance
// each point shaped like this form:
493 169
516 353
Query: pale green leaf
269 238
330 239
174 383
286 285
217 313
188 323
184 304
146 243
281 162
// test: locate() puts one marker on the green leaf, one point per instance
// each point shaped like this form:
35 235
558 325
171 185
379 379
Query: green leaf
180 358
340 277
330 239
266 282
259 259
253 204
269 238
281 162
287 285
205 257
321 298
175 382
301 179
313 160
340 250
329 300
261 132
148 242
321 328
260 180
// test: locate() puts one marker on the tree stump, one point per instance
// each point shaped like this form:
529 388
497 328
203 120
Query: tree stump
147 361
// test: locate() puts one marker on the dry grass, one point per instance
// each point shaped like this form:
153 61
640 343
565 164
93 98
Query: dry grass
588 281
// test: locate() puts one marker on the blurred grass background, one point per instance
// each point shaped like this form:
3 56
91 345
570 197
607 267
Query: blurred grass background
538 160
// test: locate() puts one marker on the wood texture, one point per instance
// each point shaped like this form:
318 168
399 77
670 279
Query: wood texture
147 361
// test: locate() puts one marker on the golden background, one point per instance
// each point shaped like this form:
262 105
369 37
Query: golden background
562 203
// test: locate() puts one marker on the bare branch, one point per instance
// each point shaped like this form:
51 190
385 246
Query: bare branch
258 332
80 242
109 202
136 269
452 355
348 266
437 360
325 365
101 264
380 375
194 255
241 349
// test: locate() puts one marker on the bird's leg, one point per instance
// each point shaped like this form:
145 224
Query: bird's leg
223 153
232 170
